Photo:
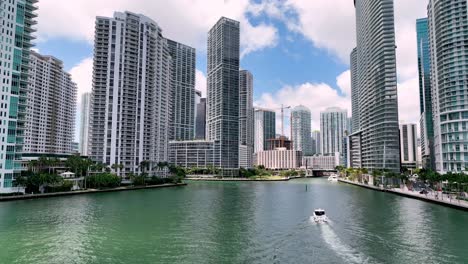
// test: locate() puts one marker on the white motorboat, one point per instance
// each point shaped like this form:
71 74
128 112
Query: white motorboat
319 216
333 178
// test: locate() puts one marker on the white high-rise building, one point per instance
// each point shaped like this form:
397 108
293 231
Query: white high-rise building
182 119
301 129
333 124
84 123
246 119
449 77
17 19
376 101
51 107
409 145
130 102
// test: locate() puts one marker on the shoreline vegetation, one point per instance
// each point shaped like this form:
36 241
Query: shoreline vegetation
87 191
450 189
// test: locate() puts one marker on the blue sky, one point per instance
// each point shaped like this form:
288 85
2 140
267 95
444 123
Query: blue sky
297 50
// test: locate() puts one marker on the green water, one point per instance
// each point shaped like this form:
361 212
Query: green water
245 222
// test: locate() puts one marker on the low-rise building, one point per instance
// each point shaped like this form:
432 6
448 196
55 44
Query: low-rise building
279 159
193 153
321 162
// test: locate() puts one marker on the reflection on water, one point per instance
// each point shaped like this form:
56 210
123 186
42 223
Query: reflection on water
216 222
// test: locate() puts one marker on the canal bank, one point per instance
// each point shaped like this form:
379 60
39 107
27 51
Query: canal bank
458 204
239 179
89 191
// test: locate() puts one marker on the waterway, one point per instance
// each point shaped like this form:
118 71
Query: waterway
233 222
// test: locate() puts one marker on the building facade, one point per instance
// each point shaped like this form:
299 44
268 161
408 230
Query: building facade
301 129
264 128
449 75
131 93
377 85
222 122
246 119
321 162
17 19
194 153
333 125
279 159
200 122
182 119
84 123
409 145
425 94
51 107
354 91
316 143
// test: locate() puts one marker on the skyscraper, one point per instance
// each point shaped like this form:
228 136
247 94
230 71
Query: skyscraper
200 123
17 19
246 119
301 129
449 66
354 92
408 145
130 102
377 85
317 143
425 94
84 123
223 92
183 91
51 107
333 124
264 128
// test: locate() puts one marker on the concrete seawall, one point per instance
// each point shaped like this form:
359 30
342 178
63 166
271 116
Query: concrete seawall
58 194
461 205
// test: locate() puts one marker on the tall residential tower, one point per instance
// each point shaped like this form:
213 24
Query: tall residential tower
246 119
51 107
17 19
264 128
84 123
130 102
333 124
301 130
376 85
223 93
182 119
425 94
448 36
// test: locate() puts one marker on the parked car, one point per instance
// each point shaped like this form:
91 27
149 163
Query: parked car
423 191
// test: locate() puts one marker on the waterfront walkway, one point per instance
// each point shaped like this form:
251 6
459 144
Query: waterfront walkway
57 194
435 197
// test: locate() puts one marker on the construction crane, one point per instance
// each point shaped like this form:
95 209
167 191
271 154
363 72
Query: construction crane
282 117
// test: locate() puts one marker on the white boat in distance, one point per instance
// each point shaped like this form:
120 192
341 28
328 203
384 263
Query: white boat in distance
319 216
333 178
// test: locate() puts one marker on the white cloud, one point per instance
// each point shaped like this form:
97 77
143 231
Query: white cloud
200 82
187 21
316 96
408 101
82 75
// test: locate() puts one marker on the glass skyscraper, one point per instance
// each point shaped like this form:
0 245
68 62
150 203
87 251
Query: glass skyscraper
264 128
377 85
448 36
223 93
333 125
425 93
16 19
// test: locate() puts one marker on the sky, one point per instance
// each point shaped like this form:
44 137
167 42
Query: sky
297 50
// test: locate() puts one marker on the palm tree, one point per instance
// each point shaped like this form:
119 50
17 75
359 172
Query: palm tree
144 165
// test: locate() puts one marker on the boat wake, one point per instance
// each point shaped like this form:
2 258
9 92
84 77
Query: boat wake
343 250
